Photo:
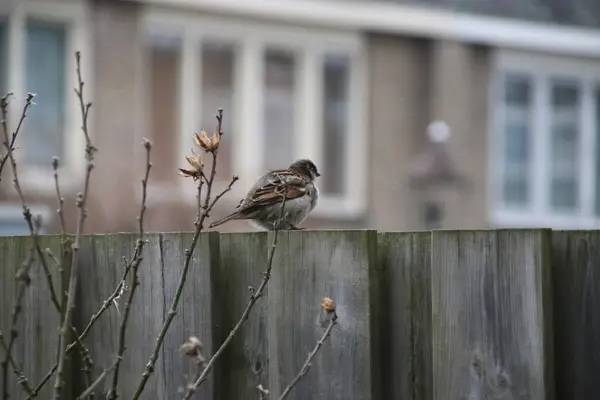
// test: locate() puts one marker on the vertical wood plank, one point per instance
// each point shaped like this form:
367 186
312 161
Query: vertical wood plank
491 315
245 363
310 265
101 268
194 316
406 321
38 324
576 277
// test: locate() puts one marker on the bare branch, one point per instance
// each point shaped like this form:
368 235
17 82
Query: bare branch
22 277
203 211
59 198
18 371
81 205
313 353
136 260
254 296
89 391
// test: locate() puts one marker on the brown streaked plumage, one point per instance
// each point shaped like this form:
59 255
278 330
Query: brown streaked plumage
262 204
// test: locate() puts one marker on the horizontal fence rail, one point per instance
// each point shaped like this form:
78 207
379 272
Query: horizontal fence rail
439 315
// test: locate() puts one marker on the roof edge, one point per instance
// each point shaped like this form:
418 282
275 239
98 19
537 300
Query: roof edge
407 19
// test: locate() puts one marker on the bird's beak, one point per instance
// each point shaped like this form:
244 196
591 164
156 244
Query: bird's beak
318 174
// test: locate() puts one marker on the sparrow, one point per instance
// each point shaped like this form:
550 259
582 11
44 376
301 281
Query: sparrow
262 204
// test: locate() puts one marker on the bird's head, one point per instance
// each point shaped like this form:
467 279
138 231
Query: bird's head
306 168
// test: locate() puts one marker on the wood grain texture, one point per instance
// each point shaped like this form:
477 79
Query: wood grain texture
245 363
308 267
405 339
576 278
101 269
38 324
195 316
159 275
491 323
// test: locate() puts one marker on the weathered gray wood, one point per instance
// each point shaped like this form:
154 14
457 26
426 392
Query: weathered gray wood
38 324
405 339
308 267
491 324
245 363
101 270
195 312
576 287
159 276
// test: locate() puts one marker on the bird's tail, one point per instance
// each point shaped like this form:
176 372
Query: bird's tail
232 216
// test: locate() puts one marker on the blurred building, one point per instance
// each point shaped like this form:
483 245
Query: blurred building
349 84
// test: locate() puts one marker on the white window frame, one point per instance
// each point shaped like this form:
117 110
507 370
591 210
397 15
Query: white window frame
539 68
251 38
76 16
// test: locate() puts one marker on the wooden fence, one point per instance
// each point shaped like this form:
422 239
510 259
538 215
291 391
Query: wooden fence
501 314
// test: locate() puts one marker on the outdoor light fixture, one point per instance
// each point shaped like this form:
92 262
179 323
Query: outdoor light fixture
432 169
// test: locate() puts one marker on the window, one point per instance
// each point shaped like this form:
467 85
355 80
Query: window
218 91
3 54
12 222
37 45
546 146
287 93
164 60
43 133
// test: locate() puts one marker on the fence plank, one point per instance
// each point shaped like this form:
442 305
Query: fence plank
491 324
159 275
308 267
406 320
245 363
576 284
101 268
38 324
195 317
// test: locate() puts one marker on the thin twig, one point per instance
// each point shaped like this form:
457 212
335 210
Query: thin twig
254 296
136 260
59 198
22 277
203 213
10 146
90 389
81 204
93 319
311 355
26 211
18 371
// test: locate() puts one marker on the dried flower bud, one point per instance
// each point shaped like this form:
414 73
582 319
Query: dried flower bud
147 143
197 166
23 276
215 140
328 305
55 162
203 140
193 348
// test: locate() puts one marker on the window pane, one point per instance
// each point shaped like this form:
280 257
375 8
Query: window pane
597 128
44 130
564 154
164 57
279 108
517 139
218 72
335 122
3 56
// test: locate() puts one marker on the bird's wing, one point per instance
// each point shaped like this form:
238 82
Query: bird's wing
272 191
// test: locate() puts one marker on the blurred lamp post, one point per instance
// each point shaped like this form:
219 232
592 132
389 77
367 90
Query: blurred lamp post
433 170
